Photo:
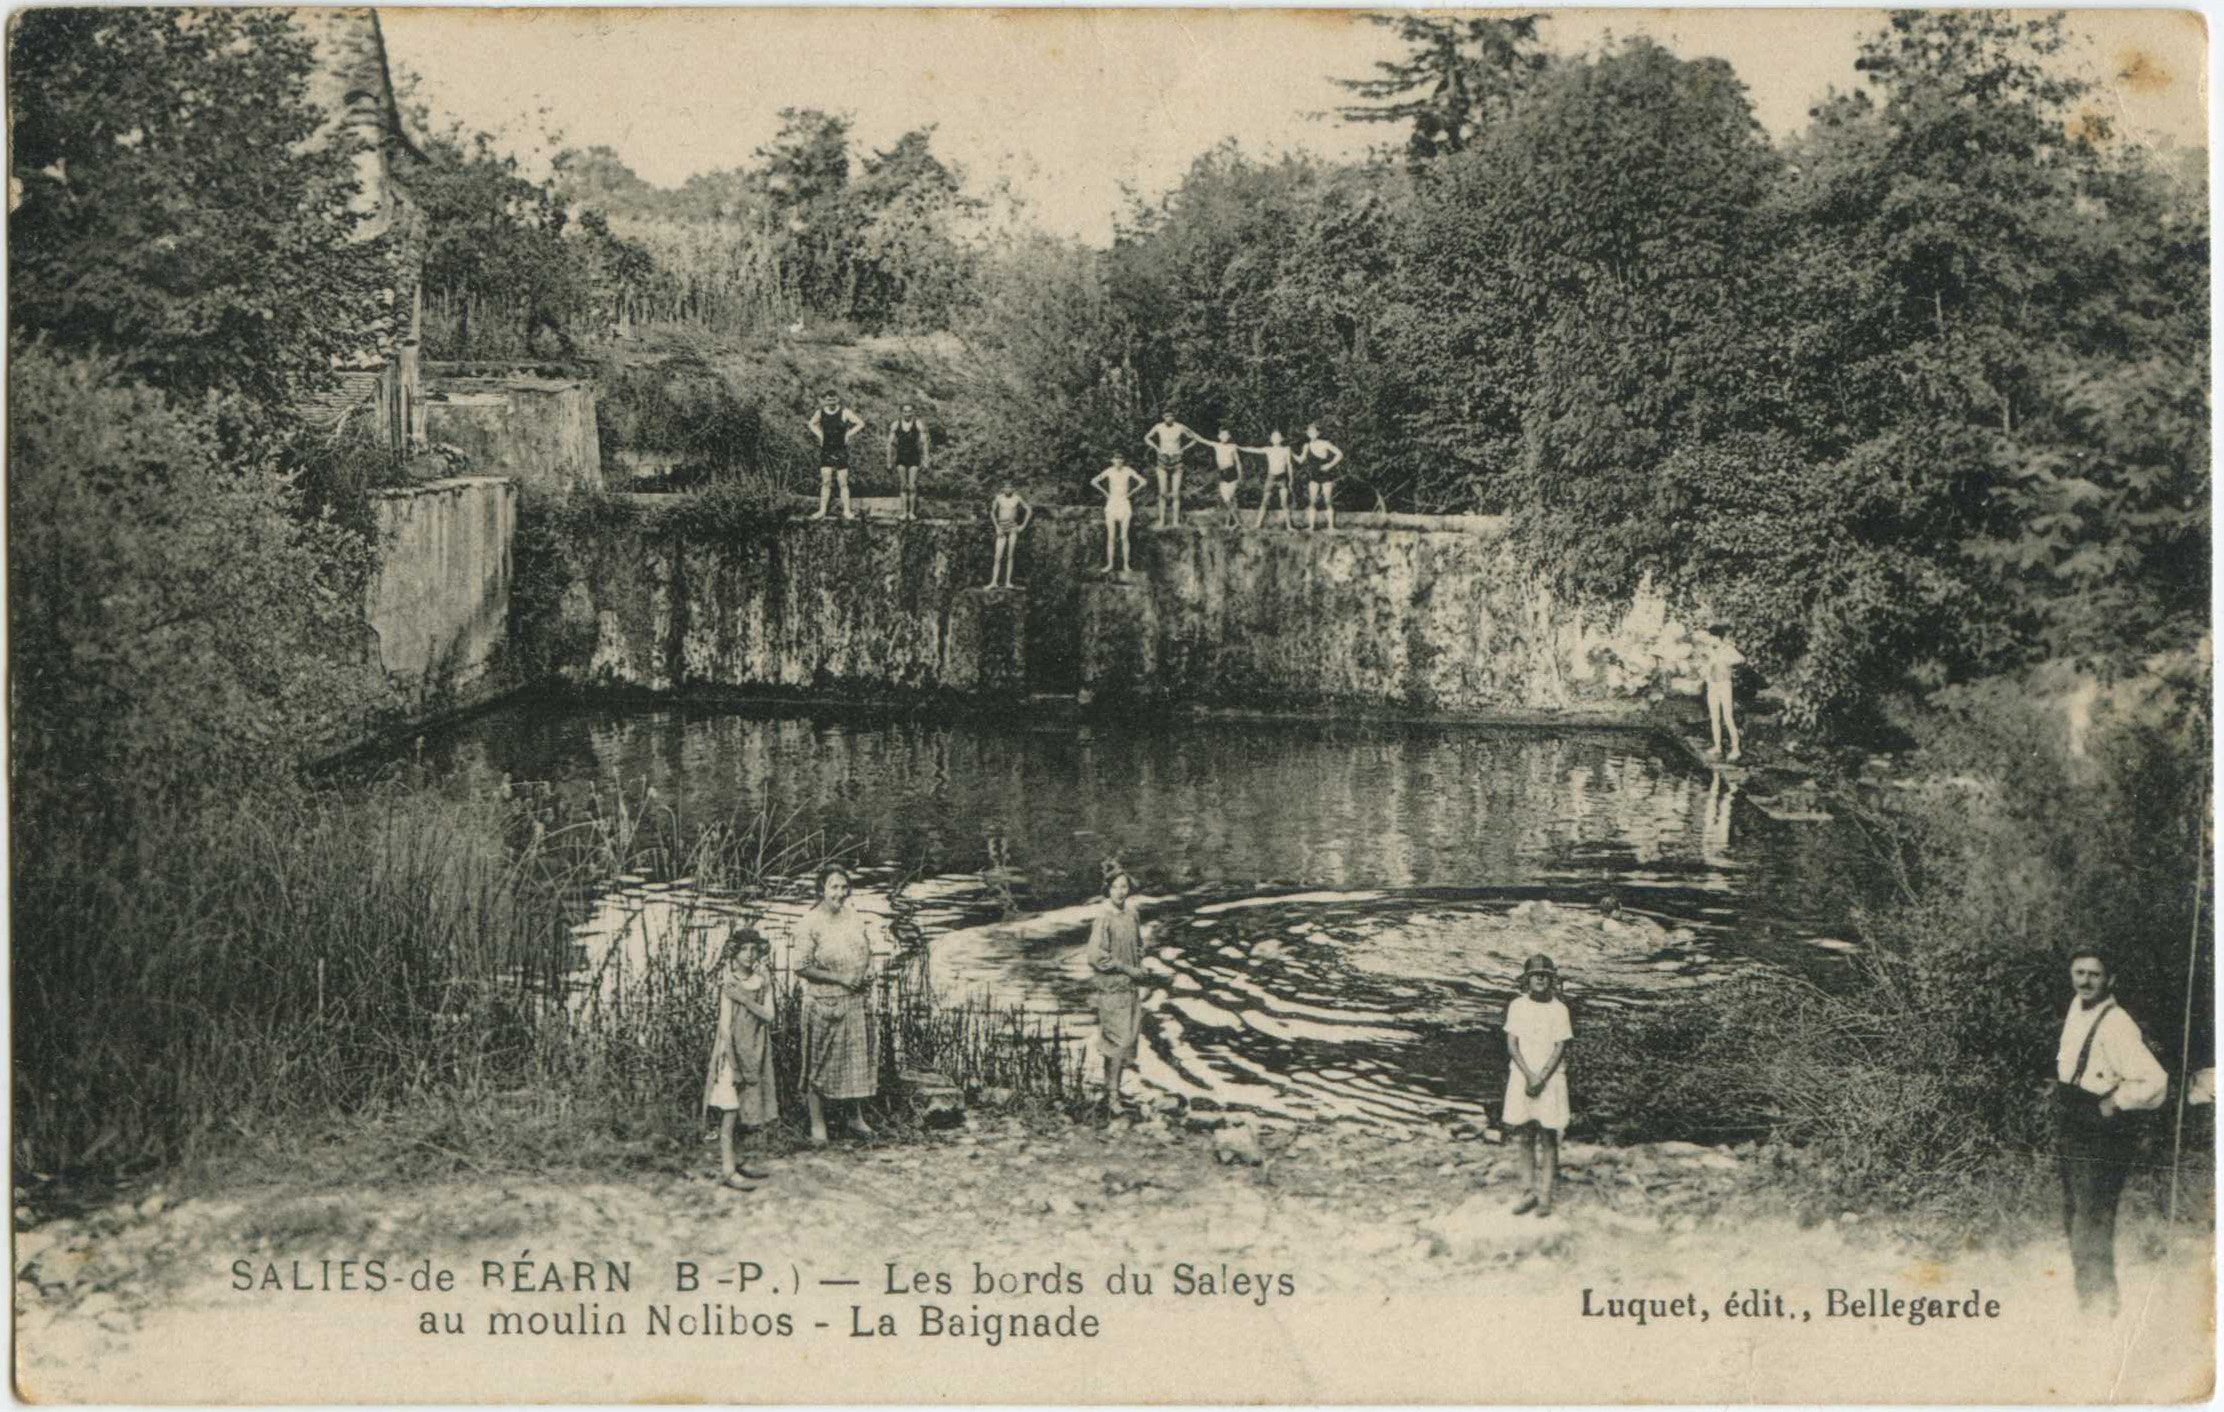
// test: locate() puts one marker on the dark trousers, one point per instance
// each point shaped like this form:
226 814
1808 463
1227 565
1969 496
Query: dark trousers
2095 1156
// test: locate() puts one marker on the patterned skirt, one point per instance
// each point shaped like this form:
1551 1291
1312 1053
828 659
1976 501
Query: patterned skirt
838 1047
1119 1022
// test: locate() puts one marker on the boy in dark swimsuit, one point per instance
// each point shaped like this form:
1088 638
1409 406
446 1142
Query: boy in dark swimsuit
832 425
909 446
1323 456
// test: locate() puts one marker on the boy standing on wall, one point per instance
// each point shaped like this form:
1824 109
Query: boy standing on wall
1169 439
1010 513
1278 474
1323 456
1227 457
832 425
909 446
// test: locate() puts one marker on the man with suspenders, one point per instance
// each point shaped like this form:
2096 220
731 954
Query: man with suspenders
2102 1071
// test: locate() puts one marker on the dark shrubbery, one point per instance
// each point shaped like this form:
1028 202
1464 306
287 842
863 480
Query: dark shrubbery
682 410
1921 1081
180 626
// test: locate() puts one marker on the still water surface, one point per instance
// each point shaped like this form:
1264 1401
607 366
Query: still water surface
1332 905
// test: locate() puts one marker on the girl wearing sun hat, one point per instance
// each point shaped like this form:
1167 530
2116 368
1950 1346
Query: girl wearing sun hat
1538 1033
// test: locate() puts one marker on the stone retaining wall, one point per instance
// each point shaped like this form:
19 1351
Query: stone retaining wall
1430 616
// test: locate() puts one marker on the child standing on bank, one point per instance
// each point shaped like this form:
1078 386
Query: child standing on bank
740 1084
1538 1033
1115 956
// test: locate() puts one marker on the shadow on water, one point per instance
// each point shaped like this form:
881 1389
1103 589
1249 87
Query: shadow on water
1338 913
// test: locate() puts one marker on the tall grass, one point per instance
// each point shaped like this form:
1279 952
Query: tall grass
408 958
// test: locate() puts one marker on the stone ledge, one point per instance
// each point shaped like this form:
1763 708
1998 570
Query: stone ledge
1196 519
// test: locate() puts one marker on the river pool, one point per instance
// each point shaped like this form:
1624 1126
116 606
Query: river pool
1338 910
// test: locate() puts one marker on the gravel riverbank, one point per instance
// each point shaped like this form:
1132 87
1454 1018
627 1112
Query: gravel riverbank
1346 1239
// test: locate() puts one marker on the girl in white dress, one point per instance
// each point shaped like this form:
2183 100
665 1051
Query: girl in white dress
1538 1033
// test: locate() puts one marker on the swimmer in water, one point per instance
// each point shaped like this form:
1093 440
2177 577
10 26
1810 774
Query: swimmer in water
1010 513
1169 439
1323 457
1228 458
1117 481
1277 455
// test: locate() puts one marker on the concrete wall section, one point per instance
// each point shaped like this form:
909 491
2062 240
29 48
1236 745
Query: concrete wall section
540 431
440 604
1442 620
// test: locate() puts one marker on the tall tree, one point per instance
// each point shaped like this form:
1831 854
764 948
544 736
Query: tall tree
172 213
1605 227
807 161
1457 76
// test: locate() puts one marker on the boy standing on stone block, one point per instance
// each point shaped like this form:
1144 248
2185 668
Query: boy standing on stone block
1010 513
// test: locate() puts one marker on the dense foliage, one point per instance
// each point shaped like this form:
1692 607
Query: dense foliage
184 580
1914 396
1918 1078
170 215
179 629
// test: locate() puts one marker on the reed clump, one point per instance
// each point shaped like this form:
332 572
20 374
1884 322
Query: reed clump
424 979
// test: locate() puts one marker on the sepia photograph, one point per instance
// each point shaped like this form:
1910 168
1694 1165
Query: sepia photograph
1070 706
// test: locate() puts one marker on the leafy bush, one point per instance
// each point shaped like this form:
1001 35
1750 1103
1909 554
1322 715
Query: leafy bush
730 509
179 628
683 408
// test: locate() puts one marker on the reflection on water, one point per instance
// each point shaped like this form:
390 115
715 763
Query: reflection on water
1337 913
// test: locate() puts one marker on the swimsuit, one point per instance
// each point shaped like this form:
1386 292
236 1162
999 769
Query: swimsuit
834 439
1117 511
908 445
1231 465
1327 472
1167 460
1007 517
1277 461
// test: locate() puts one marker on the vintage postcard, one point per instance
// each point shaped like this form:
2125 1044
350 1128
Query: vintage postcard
1237 706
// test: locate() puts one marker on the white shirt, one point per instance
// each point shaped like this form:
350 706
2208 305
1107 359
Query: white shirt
2120 1062
1536 1025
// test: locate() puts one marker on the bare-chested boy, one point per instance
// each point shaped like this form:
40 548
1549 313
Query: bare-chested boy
1227 458
1322 457
1117 481
1168 440
1277 456
832 425
1009 511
